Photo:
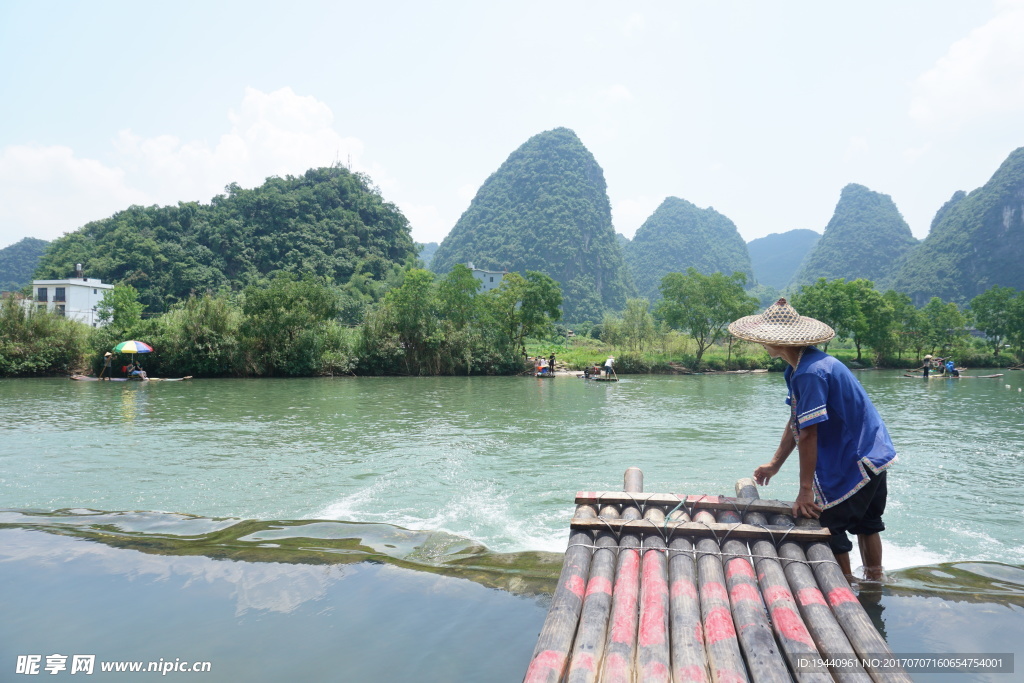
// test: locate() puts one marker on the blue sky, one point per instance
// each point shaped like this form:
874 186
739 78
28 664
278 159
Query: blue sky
762 110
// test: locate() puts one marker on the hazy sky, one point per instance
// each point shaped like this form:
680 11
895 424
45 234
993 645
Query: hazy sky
763 110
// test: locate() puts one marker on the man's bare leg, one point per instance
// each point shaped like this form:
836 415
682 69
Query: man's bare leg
871 556
844 563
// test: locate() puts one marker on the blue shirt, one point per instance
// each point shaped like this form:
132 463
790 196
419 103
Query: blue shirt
851 435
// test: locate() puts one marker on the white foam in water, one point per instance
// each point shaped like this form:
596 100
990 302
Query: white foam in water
483 514
899 557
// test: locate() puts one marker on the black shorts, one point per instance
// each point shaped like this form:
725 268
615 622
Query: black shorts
859 514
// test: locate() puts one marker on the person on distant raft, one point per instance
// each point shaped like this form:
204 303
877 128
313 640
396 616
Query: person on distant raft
951 369
551 363
608 366
927 365
135 370
107 359
844 447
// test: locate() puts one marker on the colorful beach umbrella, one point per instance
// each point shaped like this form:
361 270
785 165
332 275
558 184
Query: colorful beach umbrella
133 347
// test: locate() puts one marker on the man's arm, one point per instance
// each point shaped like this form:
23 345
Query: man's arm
764 473
804 506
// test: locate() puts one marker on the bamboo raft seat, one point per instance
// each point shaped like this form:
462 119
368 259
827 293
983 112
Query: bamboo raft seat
666 587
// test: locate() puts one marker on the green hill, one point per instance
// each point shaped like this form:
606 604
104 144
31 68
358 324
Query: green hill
18 261
329 222
426 252
679 235
866 238
777 257
976 241
546 209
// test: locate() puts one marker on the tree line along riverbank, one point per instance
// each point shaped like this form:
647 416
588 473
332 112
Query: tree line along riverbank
430 325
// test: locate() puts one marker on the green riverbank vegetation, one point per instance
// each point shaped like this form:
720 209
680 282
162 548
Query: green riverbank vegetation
423 324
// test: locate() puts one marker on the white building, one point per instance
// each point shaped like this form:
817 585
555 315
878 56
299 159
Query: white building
75 298
491 279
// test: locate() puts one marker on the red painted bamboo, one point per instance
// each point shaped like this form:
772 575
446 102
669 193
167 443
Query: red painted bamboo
619 663
764 660
590 639
689 662
551 653
849 613
653 659
791 631
723 648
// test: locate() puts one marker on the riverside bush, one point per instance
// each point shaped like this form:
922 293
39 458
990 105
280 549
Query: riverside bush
34 342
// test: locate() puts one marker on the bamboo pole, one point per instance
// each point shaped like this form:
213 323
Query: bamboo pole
704 502
850 614
653 660
551 652
828 635
723 649
590 639
620 652
791 632
864 638
764 660
689 662
710 529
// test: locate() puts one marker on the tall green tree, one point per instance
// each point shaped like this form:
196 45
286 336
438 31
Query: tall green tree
903 326
413 308
524 306
1015 334
874 320
121 311
993 312
703 305
638 329
284 322
831 303
947 325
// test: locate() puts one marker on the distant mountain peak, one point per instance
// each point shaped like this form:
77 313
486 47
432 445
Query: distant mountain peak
976 241
680 235
866 238
546 209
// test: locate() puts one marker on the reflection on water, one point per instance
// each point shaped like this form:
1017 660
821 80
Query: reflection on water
255 621
261 599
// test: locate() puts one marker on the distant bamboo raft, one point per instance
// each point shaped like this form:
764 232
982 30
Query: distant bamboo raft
665 587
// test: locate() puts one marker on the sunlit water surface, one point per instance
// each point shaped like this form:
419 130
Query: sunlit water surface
250 514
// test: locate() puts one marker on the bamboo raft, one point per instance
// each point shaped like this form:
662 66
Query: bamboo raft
664 587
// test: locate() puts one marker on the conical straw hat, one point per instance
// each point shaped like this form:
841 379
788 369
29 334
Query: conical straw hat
781 325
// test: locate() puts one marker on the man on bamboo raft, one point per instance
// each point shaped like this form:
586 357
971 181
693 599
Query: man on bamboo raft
843 445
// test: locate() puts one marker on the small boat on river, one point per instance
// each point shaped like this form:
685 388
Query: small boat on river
956 376
86 378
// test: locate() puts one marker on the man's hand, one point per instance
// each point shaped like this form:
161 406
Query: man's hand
764 473
805 505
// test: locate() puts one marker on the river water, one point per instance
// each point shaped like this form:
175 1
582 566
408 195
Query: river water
315 518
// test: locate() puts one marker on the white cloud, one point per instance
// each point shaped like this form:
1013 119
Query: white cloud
278 133
46 191
981 74
617 93
634 25
856 147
